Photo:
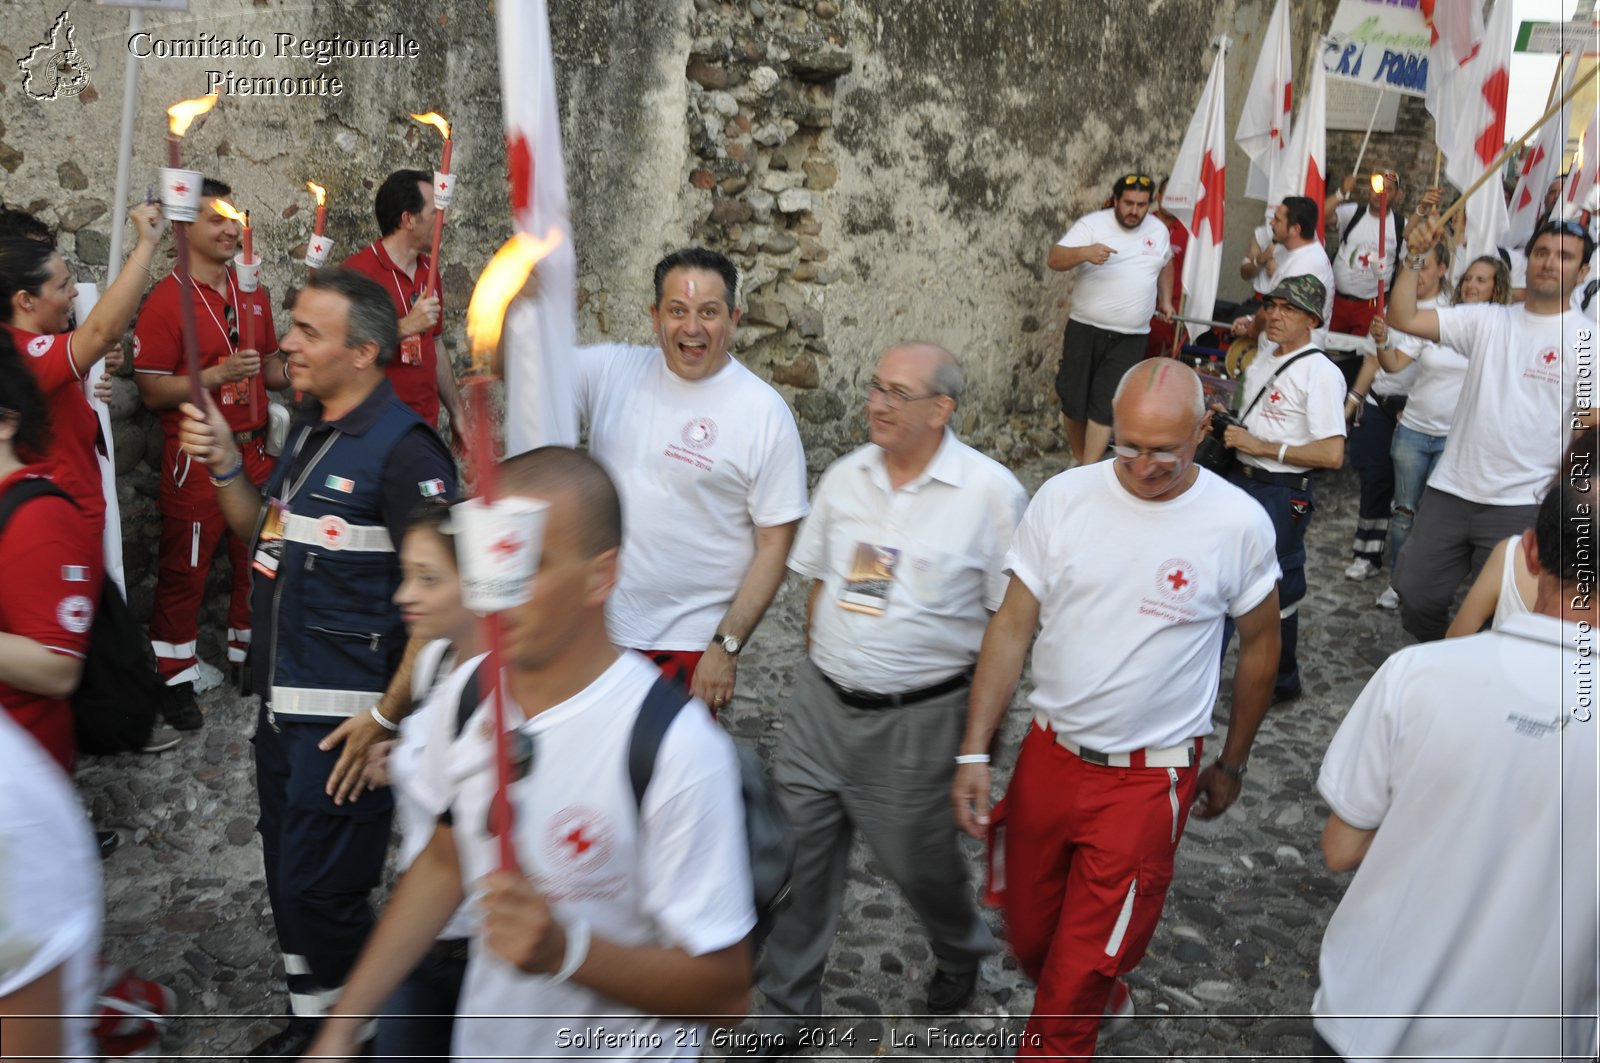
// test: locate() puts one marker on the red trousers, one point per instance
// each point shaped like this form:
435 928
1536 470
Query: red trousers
192 526
679 664
1352 316
1087 858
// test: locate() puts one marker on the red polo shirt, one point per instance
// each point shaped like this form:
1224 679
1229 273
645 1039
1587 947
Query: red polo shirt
158 344
74 429
417 385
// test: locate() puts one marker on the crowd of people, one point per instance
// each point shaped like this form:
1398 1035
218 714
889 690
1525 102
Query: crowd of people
1458 780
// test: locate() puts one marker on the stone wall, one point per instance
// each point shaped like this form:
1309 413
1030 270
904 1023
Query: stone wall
879 171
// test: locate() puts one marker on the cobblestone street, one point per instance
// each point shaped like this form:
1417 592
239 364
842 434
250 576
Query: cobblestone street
1231 971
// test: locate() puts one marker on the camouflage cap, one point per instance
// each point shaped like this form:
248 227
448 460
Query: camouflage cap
1303 292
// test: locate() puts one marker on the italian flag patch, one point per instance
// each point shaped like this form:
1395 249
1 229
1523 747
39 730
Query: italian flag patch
430 488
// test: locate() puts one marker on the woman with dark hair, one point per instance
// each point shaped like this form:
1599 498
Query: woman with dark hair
36 292
52 565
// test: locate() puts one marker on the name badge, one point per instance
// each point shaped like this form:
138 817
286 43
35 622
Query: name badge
411 350
871 578
269 547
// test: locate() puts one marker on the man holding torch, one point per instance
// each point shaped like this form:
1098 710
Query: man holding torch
323 550
237 373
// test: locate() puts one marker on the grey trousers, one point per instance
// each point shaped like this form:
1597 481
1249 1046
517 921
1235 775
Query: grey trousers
886 773
1449 542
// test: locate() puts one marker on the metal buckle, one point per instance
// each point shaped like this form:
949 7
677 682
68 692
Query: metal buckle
1094 756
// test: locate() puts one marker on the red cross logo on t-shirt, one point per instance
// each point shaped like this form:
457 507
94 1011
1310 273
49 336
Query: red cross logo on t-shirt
1176 579
1276 396
580 844
1549 357
579 838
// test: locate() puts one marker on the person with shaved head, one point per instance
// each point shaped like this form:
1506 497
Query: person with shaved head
903 549
1127 570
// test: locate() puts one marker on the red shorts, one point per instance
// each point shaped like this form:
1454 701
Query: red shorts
679 664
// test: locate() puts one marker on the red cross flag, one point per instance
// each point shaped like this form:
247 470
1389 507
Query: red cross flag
1196 192
1264 127
1542 164
1579 193
1480 133
540 331
1308 148
1456 29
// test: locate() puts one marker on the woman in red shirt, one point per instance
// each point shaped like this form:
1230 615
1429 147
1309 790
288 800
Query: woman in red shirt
36 292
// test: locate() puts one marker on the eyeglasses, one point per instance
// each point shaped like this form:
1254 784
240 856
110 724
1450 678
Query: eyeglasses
231 317
1165 458
894 398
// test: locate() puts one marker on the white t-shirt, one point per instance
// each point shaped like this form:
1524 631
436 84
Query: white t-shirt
1132 596
1357 267
1516 405
1389 384
1436 388
949 530
50 900
1261 283
1119 296
415 818
674 873
1308 260
700 466
1302 404
1477 896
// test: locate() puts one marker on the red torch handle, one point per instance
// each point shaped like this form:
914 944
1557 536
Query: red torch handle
191 333
1383 215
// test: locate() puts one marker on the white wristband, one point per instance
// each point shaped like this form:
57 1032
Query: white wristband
577 950
973 758
1282 450
383 721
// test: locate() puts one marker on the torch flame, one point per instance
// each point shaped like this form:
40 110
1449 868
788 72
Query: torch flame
180 114
224 208
436 120
499 283
318 191
1377 183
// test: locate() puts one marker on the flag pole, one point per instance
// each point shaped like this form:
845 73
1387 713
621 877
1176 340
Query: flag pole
1370 123
1516 145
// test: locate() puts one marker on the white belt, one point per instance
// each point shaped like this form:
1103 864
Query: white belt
308 701
1178 756
335 533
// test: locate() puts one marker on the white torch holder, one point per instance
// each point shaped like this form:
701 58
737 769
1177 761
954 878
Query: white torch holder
180 194
497 549
317 249
444 189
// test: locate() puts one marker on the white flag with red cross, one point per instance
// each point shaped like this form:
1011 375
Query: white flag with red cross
1196 192
1308 148
1456 29
1481 88
1542 163
1264 126
1579 193
540 331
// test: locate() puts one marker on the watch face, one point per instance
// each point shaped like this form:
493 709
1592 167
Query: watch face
730 644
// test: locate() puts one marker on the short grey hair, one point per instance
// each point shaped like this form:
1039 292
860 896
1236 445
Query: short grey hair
372 317
1199 399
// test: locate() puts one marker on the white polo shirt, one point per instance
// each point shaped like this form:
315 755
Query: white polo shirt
949 530
700 465
1516 405
1302 404
1120 295
1477 896
674 873
1356 266
1132 596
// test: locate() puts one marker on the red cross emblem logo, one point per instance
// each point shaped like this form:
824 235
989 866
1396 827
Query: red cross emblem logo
507 547
579 838
1175 580
443 185
1364 259
1549 357
1276 396
333 532
1175 577
579 842
180 188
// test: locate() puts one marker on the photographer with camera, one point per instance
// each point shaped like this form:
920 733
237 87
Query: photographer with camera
1292 422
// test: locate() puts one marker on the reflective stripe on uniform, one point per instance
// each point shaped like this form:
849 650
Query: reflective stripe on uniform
309 701
315 531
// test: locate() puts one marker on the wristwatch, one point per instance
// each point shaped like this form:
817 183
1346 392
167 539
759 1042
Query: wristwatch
731 644
1228 769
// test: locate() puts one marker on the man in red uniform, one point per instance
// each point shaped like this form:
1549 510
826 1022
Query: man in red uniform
398 260
191 524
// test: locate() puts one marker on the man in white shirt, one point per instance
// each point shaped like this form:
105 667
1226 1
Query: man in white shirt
623 915
1123 259
1526 366
712 474
1127 569
1358 269
904 549
1292 421
1462 788
1296 251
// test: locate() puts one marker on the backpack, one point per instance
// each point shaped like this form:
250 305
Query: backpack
1399 237
121 695
767 834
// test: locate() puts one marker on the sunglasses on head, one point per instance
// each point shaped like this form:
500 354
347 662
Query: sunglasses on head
1566 227
1134 180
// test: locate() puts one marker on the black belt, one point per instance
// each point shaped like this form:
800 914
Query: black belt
449 950
860 699
1293 480
1393 405
1340 296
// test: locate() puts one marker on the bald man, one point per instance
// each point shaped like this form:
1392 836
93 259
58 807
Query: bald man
903 548
1127 570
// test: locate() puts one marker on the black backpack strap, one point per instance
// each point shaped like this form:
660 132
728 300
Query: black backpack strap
660 708
26 491
1355 219
1588 292
468 702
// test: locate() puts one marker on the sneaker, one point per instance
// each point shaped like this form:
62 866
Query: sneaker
1282 695
949 992
1119 1013
1388 599
182 711
161 739
1361 569
290 1042
210 677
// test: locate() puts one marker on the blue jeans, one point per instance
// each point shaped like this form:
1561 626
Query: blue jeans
1414 454
417 1020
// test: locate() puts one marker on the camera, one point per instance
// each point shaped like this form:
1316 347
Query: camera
1212 453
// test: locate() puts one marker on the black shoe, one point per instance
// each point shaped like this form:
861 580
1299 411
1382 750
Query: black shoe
1279 697
290 1042
778 1046
108 840
949 993
181 710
